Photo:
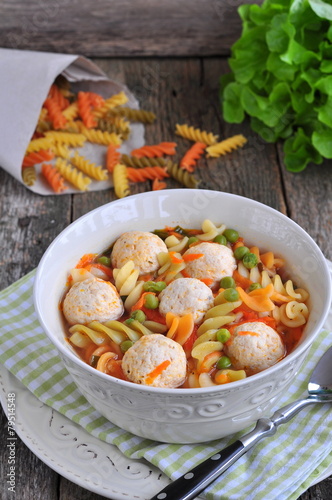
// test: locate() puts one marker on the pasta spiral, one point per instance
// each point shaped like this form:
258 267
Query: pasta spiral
60 150
193 154
74 140
29 176
226 146
120 181
134 115
40 143
71 112
143 174
53 177
55 113
120 128
112 157
133 161
155 150
99 137
37 157
126 278
182 176
110 103
72 175
85 109
89 168
195 134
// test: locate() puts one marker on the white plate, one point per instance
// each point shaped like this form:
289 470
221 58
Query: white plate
83 459
76 455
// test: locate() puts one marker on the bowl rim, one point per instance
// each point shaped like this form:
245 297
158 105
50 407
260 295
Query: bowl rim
298 351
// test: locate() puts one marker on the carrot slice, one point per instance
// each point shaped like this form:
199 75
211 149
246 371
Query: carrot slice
85 260
241 280
192 256
174 258
157 371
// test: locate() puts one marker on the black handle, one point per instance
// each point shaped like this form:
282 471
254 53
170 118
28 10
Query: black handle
193 482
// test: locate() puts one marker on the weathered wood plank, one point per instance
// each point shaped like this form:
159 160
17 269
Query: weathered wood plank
121 27
309 199
29 223
33 479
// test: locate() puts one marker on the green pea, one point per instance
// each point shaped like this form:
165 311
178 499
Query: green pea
129 321
125 345
221 239
254 286
227 282
231 235
106 261
231 295
250 260
223 335
223 362
138 315
154 286
192 240
151 301
240 252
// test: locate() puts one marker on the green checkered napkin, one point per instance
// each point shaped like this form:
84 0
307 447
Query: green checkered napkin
280 467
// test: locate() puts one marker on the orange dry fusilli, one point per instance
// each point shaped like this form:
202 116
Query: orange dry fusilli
157 185
193 154
85 109
55 113
143 174
112 157
53 177
37 157
155 150
56 94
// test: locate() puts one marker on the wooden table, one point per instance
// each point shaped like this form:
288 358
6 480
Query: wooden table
182 89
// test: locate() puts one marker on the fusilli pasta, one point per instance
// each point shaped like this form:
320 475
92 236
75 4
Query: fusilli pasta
72 175
185 178
193 154
53 177
89 168
195 134
120 181
226 146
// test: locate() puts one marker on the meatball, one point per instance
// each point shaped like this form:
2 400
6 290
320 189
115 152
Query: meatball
254 346
140 247
186 296
92 300
218 261
155 360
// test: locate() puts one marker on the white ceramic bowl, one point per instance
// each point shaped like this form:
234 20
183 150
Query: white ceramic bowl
182 415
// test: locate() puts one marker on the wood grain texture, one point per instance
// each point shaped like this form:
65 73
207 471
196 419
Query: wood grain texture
121 27
178 90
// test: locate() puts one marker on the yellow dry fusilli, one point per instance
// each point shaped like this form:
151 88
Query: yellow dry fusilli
195 134
67 138
72 175
89 168
113 101
226 146
71 112
40 143
120 181
60 150
29 176
99 137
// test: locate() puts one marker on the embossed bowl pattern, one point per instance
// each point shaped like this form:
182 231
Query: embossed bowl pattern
183 415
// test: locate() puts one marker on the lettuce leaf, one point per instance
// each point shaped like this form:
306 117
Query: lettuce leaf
282 77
